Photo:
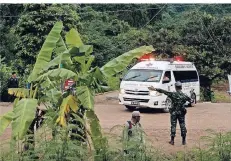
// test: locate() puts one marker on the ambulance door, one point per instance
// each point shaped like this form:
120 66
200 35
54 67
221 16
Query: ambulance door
168 81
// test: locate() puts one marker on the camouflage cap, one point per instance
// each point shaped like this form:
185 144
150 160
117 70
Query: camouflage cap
135 113
178 84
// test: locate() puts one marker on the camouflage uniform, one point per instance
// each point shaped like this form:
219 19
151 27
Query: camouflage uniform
133 138
177 111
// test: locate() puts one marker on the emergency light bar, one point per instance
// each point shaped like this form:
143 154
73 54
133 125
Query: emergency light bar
150 57
178 58
147 57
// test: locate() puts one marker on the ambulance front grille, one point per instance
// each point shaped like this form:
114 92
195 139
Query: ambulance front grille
136 99
132 92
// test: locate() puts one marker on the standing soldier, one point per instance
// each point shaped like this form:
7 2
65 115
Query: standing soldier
12 83
177 111
133 134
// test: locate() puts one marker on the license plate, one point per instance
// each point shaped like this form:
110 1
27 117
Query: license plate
135 103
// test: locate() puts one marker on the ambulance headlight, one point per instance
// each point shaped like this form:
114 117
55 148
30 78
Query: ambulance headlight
122 91
154 93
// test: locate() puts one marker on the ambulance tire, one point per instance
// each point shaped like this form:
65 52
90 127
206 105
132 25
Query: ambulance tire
130 108
168 103
193 96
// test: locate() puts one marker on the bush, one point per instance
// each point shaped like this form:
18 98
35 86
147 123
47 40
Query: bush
221 97
5 73
219 149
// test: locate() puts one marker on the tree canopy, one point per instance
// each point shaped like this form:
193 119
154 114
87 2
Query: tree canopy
200 32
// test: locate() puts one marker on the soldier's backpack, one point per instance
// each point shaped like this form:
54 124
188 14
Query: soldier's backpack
130 127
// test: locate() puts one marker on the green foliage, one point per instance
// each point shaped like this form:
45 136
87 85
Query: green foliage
58 148
114 82
73 39
23 115
36 22
109 35
221 97
5 120
7 43
7 22
120 63
136 15
21 121
219 148
44 55
80 104
86 97
99 141
59 73
19 92
199 32
69 103
203 35
4 75
62 148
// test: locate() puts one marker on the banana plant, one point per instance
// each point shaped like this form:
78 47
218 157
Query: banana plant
26 104
73 60
89 80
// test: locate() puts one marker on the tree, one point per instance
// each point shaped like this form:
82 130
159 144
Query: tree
136 15
8 19
35 23
208 42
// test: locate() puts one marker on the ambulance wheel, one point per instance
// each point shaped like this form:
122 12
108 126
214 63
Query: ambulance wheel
131 108
193 97
168 105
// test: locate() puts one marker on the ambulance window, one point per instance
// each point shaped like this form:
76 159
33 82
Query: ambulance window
167 77
143 75
185 76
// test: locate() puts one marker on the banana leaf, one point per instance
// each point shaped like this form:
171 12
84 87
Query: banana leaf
69 103
5 120
19 92
45 53
85 95
57 74
73 39
118 64
24 113
99 141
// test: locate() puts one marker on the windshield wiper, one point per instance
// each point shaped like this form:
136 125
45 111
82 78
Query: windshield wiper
149 78
132 77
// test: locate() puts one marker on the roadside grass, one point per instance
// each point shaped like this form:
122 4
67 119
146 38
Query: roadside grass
218 148
221 97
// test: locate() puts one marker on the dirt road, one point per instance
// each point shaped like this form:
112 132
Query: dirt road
157 124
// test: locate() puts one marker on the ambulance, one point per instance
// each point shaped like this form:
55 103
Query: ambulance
162 74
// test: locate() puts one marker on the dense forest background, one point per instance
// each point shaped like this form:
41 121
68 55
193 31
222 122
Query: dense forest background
200 32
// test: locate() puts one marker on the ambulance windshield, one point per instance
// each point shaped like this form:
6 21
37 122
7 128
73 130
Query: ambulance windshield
143 75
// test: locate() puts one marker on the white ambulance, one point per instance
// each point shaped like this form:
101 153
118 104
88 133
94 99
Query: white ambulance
134 91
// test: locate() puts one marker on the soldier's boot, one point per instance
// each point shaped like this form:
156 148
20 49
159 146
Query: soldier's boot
183 140
172 140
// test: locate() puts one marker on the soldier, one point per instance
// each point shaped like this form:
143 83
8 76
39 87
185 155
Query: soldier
12 83
177 111
133 137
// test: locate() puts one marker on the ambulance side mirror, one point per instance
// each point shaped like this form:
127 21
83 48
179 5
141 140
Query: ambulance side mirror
121 78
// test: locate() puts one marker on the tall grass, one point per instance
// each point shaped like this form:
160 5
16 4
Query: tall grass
218 149
61 148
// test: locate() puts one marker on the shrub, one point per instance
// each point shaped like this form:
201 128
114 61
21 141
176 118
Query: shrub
5 72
